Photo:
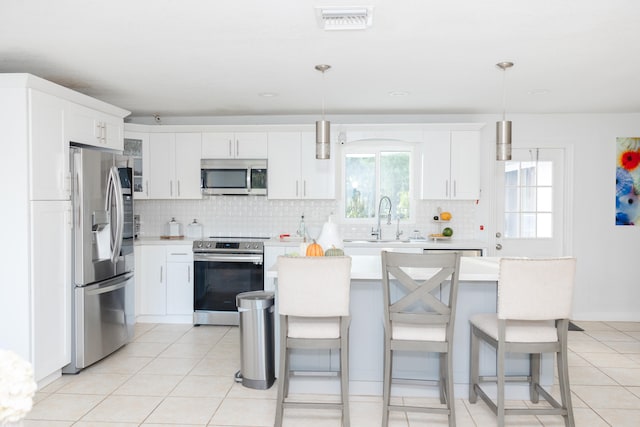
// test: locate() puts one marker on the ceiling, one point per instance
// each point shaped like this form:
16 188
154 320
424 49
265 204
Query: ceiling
218 58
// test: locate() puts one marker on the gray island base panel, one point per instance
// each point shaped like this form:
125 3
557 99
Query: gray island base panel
477 294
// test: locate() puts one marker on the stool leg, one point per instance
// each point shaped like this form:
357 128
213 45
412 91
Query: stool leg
451 402
474 357
344 383
534 363
283 377
442 383
563 374
386 386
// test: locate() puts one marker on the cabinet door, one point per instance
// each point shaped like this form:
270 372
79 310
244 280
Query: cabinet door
179 279
161 166
112 131
318 176
91 127
137 146
251 145
49 150
465 165
187 160
284 166
218 145
435 165
179 288
51 285
153 275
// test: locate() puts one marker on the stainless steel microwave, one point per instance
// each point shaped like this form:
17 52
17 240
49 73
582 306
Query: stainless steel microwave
234 176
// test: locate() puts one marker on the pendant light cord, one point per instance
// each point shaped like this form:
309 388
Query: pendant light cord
504 94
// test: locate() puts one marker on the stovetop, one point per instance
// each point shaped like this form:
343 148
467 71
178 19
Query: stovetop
228 244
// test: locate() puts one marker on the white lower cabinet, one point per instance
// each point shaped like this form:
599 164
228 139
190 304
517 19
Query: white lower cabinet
164 283
51 285
179 280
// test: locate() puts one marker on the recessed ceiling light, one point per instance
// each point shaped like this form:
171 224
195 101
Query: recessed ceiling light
538 92
345 18
268 94
398 93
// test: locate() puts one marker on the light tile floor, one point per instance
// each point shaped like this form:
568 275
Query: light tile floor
183 375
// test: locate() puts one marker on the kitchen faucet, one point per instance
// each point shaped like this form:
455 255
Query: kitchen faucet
378 231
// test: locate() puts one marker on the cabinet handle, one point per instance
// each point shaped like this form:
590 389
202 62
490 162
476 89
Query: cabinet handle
146 186
446 188
160 274
237 147
455 189
188 274
171 188
296 188
304 188
178 188
230 148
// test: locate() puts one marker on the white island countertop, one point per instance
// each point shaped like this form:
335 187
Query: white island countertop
368 267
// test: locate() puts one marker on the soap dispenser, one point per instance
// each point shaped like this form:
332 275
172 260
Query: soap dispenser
302 229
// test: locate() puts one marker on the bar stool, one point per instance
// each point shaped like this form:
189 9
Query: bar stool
419 319
534 305
313 303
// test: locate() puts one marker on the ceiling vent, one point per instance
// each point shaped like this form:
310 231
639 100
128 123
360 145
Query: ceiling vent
344 18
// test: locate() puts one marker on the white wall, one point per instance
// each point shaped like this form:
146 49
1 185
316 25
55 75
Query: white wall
608 284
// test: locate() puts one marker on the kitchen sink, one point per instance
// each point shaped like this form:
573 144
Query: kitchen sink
385 241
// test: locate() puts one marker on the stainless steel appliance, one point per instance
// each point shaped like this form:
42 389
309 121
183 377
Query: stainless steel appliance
223 268
233 177
103 261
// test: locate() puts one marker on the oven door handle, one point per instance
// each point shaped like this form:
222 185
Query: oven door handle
256 259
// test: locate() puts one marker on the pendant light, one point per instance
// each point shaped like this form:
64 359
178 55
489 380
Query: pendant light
503 127
323 127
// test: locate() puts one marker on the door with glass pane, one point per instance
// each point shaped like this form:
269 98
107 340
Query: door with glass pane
530 203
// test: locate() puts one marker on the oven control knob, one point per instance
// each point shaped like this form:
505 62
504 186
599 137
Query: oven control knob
199 244
255 246
209 245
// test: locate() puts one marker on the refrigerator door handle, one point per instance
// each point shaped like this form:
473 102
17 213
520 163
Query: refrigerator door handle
114 189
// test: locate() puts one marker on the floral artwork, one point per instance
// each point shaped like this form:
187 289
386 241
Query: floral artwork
627 181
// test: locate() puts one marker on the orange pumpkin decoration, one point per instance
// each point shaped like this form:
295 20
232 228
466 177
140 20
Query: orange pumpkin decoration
314 249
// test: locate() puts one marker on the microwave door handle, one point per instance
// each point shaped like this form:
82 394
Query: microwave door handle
249 179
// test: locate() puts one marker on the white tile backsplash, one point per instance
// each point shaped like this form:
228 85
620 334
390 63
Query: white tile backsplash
259 216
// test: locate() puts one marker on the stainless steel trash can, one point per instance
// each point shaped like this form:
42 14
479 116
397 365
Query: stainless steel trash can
257 368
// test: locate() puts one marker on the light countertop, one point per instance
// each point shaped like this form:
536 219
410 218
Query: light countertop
367 267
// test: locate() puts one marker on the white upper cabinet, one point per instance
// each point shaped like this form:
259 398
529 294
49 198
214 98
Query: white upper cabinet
294 172
136 145
238 145
174 165
50 179
91 127
450 165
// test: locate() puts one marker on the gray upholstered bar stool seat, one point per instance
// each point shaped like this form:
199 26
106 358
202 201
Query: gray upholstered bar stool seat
419 317
534 305
313 303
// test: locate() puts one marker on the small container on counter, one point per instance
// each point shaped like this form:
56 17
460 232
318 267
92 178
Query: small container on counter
173 230
194 230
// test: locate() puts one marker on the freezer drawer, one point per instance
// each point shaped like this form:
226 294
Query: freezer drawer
104 319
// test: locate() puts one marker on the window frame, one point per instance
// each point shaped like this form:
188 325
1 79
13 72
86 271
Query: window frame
375 147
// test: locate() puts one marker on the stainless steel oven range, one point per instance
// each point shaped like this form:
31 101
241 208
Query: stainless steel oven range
223 268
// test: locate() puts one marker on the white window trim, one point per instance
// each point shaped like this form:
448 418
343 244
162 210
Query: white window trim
375 146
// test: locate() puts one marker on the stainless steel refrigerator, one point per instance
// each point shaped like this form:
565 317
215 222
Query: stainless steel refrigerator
103 260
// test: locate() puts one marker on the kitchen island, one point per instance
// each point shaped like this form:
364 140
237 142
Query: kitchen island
477 294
